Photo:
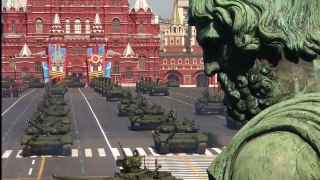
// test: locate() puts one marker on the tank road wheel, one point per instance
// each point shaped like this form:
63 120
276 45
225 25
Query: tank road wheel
26 151
66 150
164 148
202 147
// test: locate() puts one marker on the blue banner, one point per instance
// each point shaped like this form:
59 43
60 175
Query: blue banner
52 50
107 70
101 50
90 52
45 70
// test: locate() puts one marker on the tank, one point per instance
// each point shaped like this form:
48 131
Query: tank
130 169
38 116
57 111
146 121
129 104
209 103
159 88
181 136
115 93
73 82
173 83
41 144
54 100
48 127
56 90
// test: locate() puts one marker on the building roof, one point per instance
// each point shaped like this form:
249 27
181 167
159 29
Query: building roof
128 51
25 51
141 4
175 18
16 4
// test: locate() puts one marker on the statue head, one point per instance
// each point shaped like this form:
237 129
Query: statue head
262 51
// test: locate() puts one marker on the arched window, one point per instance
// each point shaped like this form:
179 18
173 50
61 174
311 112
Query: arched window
142 64
67 26
87 26
39 26
77 26
141 27
115 68
25 72
38 68
13 27
128 73
116 25
174 30
165 61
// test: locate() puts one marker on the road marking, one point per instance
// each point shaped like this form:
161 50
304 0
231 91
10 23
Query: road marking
48 156
128 151
208 153
141 151
34 156
74 153
152 151
19 154
183 95
6 154
221 117
217 150
30 171
16 102
101 152
102 131
88 152
179 101
115 152
33 161
41 167
191 166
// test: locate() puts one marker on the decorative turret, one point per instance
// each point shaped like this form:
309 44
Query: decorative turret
141 4
25 51
128 52
97 29
16 4
175 19
56 28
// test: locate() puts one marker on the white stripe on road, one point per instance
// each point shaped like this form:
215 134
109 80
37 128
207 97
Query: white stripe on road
30 171
128 151
16 102
152 151
115 152
19 154
88 152
74 153
102 131
6 154
208 153
141 151
101 152
33 161
217 150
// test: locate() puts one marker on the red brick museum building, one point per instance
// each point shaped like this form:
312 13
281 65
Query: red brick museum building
131 36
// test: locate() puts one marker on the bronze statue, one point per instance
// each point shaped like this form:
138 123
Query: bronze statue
264 53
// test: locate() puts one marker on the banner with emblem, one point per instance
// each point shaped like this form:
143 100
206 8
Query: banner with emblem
96 61
57 61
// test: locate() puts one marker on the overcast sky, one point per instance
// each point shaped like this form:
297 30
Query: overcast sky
159 7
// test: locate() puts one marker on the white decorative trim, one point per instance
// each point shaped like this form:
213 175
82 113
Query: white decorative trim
188 85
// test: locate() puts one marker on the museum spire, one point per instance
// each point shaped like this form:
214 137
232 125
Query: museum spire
16 4
128 51
175 19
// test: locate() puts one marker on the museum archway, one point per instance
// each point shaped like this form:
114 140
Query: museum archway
202 80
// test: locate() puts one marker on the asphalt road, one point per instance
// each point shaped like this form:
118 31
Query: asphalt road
97 129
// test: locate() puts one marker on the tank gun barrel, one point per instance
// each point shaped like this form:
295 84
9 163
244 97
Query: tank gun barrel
122 150
36 126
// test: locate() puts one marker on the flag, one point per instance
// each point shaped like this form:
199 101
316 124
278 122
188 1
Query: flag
45 70
96 61
57 64
107 70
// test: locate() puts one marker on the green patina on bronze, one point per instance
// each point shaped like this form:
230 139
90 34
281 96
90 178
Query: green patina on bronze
266 55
